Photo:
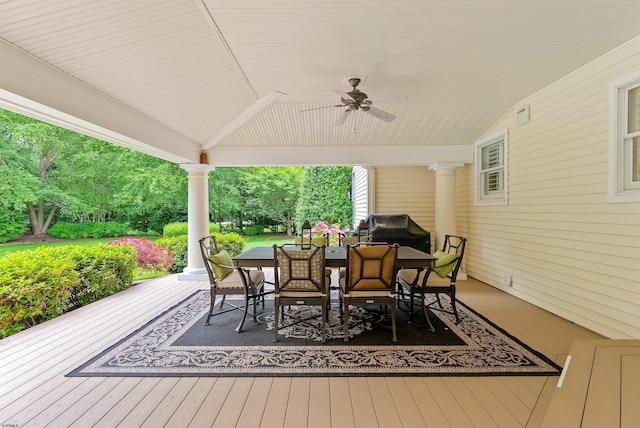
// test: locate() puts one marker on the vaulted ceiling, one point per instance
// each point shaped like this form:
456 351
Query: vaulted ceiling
174 78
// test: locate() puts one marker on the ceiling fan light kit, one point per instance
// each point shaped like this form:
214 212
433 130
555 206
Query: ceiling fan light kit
358 100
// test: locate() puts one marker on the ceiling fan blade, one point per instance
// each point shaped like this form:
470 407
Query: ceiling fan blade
343 116
343 94
389 99
317 108
387 117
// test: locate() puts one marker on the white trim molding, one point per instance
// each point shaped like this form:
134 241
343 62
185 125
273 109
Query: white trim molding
496 168
621 187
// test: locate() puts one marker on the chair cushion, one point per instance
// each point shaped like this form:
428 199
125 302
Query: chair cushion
407 276
222 258
444 263
319 241
233 280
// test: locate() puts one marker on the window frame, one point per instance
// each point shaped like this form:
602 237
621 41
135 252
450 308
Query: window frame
482 197
621 187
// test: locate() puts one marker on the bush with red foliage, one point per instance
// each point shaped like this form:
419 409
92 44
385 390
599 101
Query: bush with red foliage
150 255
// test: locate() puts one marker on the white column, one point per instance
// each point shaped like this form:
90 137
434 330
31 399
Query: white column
445 200
198 219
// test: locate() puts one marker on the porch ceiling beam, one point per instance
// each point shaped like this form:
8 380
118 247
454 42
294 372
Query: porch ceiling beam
319 156
33 88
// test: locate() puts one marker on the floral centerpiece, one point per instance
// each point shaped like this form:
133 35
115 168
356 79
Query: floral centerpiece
333 232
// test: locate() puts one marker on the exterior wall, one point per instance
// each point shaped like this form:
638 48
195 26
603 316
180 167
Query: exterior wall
360 195
567 249
407 190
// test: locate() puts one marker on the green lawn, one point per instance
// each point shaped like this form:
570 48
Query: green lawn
251 241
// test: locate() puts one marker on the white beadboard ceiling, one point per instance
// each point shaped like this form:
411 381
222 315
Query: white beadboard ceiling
176 77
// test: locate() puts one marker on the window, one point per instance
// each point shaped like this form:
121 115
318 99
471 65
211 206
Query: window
624 139
491 170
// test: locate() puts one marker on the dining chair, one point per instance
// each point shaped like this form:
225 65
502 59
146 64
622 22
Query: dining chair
439 279
300 279
370 279
225 279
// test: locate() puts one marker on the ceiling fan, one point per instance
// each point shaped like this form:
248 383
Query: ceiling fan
357 100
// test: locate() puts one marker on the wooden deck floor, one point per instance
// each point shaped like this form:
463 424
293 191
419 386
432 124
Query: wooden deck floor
35 393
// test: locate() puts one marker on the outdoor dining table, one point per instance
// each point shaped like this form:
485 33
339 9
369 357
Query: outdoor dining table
408 257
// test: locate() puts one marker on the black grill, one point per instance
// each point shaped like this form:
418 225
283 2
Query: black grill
400 229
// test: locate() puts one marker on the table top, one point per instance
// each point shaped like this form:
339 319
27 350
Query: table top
335 257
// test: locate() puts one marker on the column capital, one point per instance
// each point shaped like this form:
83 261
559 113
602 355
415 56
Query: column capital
445 166
197 167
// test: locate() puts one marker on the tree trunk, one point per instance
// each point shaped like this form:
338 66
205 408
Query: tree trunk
40 226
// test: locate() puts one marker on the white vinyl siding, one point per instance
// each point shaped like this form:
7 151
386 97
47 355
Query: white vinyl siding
566 248
624 139
407 190
360 196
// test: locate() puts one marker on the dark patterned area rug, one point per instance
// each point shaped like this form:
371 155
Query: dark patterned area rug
177 343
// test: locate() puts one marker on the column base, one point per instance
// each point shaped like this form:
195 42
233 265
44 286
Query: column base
193 274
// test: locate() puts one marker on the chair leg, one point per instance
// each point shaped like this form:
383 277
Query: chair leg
244 313
453 303
255 310
425 311
275 319
393 322
211 305
224 296
325 316
346 320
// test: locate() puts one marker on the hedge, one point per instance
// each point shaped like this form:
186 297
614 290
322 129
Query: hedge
180 228
90 229
178 245
38 285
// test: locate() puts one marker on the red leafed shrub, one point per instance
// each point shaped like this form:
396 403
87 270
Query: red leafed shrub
150 255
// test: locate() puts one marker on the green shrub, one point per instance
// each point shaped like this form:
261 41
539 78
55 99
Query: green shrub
103 270
35 286
232 242
177 245
181 228
40 284
256 229
12 225
90 229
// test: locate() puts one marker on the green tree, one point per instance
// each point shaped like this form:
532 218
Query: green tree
276 191
325 195
30 150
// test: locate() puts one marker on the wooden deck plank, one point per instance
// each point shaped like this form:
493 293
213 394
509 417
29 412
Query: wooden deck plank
510 400
236 399
112 398
80 407
213 402
385 408
170 403
253 411
471 405
407 407
134 397
298 405
145 409
341 397
33 365
361 403
497 409
451 407
276 408
427 405
319 403
630 391
192 402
